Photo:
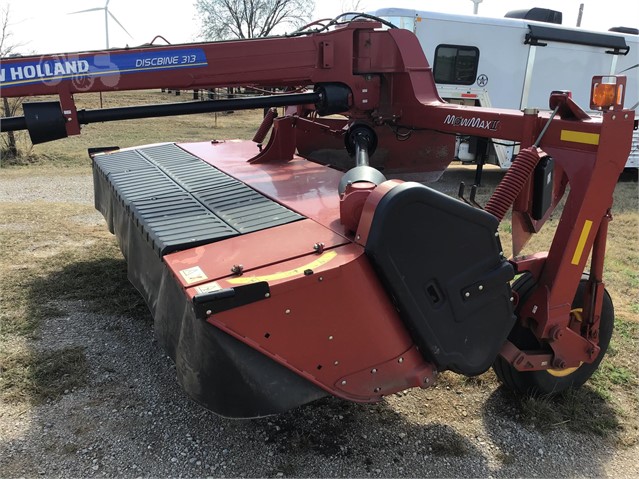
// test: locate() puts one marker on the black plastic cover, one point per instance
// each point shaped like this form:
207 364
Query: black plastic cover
334 98
179 201
45 121
214 302
362 173
543 182
540 33
441 262
625 30
537 14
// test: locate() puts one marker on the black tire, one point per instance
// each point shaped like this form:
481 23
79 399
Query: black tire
545 382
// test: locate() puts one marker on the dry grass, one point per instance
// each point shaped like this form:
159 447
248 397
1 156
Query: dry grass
72 151
36 377
51 255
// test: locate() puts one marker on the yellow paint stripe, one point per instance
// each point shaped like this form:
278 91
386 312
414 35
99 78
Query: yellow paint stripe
576 258
322 260
580 137
562 373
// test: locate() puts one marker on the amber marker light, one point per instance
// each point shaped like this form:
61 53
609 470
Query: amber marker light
607 92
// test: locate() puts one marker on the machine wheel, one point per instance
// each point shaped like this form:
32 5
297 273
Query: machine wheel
553 381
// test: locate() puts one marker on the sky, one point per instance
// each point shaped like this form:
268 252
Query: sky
45 26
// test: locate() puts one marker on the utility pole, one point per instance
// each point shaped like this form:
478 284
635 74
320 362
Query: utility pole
581 12
106 23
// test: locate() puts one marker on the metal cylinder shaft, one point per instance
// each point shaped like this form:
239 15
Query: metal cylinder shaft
193 107
13 123
361 154
185 108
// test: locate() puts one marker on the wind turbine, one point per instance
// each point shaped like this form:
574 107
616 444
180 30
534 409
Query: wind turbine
107 13
475 7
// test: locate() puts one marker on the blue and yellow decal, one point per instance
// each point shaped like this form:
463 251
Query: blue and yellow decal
53 69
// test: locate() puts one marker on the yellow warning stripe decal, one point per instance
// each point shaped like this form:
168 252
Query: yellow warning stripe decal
576 258
580 137
322 260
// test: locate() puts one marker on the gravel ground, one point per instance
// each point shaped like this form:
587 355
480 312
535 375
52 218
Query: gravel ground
132 419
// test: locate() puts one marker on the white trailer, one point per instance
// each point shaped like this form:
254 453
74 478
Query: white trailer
516 63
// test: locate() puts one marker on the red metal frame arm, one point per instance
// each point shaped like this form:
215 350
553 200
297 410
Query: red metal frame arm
276 61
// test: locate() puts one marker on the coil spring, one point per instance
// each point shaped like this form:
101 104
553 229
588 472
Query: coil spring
513 182
267 122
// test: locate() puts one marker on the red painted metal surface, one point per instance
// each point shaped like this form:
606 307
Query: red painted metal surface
329 342
253 251
352 203
405 371
592 177
305 187
369 209
592 174
281 145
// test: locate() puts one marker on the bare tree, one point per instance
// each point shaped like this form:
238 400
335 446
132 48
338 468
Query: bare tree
353 6
10 107
227 19
9 146
7 47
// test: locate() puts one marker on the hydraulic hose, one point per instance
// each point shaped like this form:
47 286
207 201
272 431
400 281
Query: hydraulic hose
513 182
266 125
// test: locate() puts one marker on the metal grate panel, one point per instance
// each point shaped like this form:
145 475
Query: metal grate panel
177 222
245 209
236 203
128 160
178 201
141 184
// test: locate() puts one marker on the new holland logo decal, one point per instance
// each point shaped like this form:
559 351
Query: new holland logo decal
53 69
